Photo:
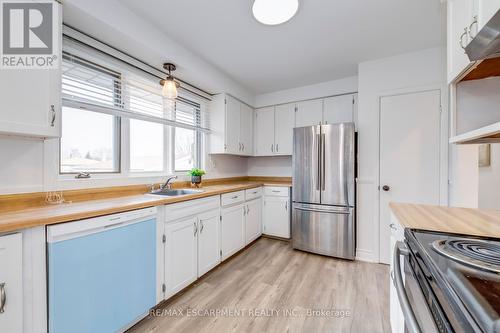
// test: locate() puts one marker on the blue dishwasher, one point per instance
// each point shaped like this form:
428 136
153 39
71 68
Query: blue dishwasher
101 272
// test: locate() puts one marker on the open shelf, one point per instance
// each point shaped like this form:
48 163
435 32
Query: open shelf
486 134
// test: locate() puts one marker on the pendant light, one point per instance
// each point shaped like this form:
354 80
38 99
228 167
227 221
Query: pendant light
273 12
170 86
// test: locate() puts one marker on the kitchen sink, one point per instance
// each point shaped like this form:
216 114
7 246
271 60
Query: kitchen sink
174 193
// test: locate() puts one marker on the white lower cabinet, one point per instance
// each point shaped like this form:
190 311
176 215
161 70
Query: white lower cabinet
208 241
11 283
232 230
253 220
181 254
276 211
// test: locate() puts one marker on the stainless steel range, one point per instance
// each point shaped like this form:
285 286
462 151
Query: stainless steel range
452 282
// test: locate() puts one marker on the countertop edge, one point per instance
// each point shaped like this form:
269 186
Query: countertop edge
14 221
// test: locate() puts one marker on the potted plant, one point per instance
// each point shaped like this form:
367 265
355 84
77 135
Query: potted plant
196 174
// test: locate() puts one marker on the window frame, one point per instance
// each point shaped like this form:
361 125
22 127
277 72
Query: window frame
117 137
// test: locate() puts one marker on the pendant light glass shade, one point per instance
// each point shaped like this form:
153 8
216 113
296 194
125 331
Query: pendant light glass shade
273 12
170 88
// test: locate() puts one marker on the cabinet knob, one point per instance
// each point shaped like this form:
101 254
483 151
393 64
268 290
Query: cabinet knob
386 188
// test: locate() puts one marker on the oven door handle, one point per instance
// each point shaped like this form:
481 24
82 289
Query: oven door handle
410 319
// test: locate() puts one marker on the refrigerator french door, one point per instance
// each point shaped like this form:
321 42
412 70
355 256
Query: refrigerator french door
323 190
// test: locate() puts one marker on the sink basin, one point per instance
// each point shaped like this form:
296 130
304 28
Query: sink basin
175 193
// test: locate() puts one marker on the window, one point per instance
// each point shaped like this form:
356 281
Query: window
187 142
146 146
83 150
111 109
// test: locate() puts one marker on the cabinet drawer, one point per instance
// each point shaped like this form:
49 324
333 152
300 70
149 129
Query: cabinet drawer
193 207
232 198
253 193
277 191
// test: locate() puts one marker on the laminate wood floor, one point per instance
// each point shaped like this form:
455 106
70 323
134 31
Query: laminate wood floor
272 288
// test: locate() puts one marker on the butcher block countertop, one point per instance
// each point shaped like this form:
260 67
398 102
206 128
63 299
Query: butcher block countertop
465 221
66 212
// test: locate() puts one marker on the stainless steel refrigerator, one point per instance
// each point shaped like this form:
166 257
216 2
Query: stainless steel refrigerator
324 190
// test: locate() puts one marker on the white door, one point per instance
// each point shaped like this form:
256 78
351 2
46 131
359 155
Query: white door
232 139
253 220
459 18
276 216
181 253
11 283
264 131
246 130
283 134
232 230
409 154
309 113
208 241
338 109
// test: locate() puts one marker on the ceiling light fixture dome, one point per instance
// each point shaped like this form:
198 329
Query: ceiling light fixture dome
273 12
170 86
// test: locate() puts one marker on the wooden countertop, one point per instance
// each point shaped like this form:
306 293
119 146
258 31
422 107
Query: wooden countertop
66 212
465 221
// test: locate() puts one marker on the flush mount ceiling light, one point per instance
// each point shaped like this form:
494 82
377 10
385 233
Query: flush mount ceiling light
169 85
273 12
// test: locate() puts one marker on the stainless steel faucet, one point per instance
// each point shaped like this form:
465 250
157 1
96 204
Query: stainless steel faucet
168 184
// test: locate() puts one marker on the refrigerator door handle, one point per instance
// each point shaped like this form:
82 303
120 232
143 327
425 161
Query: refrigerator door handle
344 212
318 182
323 138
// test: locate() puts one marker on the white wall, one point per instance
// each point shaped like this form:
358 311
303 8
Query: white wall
21 165
376 78
275 166
489 181
115 24
323 89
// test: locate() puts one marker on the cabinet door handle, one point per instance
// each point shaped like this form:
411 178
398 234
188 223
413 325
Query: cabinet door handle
461 41
3 297
277 148
52 115
195 227
286 205
202 226
242 146
248 209
272 148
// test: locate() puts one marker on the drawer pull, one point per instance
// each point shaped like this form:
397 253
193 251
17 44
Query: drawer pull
234 197
276 191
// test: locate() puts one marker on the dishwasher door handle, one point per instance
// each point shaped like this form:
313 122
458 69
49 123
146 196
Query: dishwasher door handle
410 320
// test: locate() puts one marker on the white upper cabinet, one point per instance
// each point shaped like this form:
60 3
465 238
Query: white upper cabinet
246 129
284 117
30 101
232 126
460 14
264 131
233 120
338 109
309 113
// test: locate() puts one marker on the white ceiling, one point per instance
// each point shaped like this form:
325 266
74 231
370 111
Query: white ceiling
324 41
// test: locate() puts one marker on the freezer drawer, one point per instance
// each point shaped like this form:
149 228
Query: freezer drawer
325 230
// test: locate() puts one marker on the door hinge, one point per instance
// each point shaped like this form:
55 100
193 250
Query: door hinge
163 287
225 101
220 252
164 239
296 109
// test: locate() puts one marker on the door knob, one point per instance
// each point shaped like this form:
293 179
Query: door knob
386 188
